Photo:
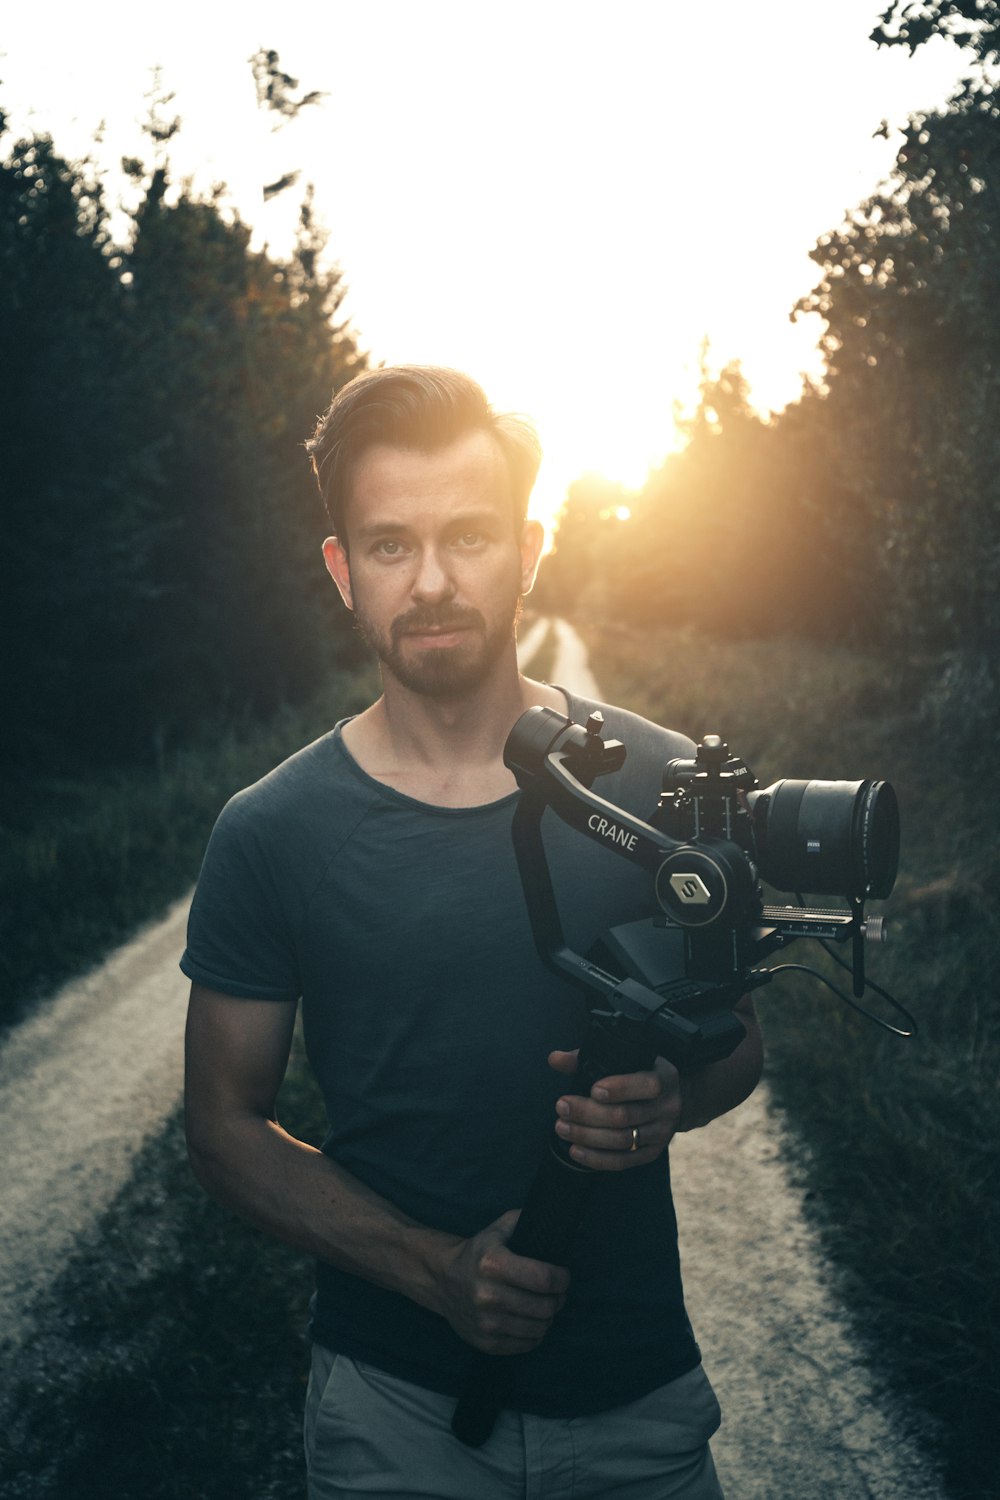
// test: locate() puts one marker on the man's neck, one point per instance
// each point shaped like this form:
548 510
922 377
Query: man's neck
446 751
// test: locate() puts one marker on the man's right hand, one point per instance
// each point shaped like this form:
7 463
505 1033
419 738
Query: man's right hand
498 1301
236 1053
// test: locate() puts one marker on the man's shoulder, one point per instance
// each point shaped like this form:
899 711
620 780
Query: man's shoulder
637 733
648 748
305 790
291 776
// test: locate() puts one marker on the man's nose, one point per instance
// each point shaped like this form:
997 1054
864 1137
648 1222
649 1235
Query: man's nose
433 580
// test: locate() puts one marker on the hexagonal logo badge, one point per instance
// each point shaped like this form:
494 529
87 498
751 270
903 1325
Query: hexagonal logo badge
690 889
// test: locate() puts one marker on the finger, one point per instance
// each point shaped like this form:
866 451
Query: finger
627 1086
496 1341
582 1111
504 1313
515 1310
505 1267
564 1062
649 1137
506 1224
536 1277
504 1331
614 1161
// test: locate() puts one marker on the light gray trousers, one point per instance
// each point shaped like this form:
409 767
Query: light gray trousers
369 1434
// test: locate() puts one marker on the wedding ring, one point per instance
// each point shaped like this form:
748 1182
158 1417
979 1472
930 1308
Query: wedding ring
635 1138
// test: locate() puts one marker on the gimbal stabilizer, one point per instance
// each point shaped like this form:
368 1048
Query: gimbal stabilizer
826 837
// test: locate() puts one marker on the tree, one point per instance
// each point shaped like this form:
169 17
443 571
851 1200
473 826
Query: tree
575 574
911 23
909 290
233 354
734 534
872 505
77 530
162 559
275 95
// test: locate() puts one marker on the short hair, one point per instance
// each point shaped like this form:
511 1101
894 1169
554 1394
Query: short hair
415 406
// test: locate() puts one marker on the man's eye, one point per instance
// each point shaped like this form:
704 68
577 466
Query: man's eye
387 547
471 538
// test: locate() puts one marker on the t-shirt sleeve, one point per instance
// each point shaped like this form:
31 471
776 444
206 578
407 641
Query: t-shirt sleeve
240 939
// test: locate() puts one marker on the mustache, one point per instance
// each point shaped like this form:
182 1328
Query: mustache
431 617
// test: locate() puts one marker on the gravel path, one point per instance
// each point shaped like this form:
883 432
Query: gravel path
801 1419
83 1083
86 1080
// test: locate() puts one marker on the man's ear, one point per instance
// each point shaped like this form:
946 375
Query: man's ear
532 542
338 567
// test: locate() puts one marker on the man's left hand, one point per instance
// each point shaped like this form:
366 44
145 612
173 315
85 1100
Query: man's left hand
628 1120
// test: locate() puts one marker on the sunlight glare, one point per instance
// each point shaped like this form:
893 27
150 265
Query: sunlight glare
652 188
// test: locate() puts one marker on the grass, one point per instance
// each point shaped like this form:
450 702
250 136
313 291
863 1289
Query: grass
84 861
899 1140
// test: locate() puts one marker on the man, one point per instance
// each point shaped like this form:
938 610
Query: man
373 875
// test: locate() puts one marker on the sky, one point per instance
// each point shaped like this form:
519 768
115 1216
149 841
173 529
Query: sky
565 198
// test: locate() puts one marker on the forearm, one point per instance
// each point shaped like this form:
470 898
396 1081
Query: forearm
301 1196
723 1085
237 1051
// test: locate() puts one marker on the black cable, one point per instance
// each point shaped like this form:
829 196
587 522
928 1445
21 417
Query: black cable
869 985
848 999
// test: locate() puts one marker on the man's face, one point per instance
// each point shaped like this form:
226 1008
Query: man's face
435 571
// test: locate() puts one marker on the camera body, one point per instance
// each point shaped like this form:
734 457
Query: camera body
712 839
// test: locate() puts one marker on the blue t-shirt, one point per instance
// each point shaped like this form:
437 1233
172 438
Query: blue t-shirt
428 1019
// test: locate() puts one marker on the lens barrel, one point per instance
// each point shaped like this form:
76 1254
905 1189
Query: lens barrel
837 838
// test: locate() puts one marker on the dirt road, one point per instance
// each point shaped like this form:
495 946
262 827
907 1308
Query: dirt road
83 1083
86 1080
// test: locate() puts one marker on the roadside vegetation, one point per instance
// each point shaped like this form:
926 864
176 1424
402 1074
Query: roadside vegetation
87 858
899 1140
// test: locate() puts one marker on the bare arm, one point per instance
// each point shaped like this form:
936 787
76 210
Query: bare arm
236 1055
658 1103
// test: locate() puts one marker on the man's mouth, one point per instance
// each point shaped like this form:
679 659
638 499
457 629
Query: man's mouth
436 629
440 632
438 636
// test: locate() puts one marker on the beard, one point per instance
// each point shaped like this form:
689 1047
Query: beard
443 671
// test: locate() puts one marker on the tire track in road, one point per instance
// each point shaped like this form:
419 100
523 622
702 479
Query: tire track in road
801 1416
84 1082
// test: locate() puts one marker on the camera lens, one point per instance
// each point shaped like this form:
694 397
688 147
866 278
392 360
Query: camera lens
837 838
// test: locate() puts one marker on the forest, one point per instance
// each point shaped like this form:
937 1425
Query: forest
168 633
157 386
163 601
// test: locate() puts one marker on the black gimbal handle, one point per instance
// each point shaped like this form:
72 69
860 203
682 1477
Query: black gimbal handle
552 1213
